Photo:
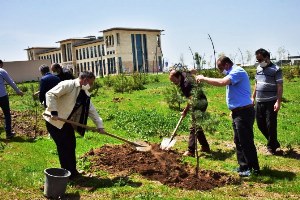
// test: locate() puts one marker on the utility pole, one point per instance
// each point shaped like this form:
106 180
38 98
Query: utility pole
214 51
242 56
193 56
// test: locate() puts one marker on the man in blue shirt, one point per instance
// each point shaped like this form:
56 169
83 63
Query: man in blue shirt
48 81
238 99
4 101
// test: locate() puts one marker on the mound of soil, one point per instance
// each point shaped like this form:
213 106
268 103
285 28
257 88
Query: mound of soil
158 165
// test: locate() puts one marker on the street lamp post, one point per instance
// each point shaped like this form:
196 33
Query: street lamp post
214 51
242 56
193 56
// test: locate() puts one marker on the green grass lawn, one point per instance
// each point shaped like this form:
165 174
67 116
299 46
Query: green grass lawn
22 160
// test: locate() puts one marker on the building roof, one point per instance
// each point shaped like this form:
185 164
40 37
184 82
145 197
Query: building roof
81 38
50 50
131 29
30 48
293 57
89 42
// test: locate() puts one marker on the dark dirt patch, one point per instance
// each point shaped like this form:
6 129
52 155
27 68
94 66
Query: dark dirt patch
23 123
163 166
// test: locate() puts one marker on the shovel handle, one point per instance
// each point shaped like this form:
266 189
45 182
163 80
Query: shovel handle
94 129
175 130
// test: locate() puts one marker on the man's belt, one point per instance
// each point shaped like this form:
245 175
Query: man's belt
242 108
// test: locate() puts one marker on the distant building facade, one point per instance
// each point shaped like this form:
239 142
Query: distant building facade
118 50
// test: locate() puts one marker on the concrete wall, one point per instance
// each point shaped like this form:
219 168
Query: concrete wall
21 71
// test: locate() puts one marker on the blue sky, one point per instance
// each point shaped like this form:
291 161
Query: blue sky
233 24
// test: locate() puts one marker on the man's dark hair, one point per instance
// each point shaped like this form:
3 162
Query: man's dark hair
1 62
177 73
263 52
57 66
87 74
224 59
44 69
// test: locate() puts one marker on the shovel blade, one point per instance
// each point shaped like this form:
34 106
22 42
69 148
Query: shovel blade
143 146
167 143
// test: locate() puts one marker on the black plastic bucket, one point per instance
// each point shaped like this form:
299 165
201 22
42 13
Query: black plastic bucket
56 180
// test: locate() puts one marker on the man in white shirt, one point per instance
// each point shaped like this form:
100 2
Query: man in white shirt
70 99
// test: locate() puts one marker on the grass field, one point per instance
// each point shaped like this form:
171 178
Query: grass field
23 160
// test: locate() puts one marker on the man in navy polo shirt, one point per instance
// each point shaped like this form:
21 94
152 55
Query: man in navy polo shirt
238 98
48 81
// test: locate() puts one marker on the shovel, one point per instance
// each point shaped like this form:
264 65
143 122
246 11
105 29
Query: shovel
139 147
167 143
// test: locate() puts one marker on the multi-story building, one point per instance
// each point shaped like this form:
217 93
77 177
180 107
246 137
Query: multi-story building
118 50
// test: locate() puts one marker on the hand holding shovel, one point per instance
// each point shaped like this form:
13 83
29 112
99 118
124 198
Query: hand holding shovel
167 143
139 147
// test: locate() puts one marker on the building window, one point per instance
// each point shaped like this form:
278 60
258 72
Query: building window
92 52
56 56
84 66
104 67
96 68
158 40
103 50
95 50
99 50
80 54
77 54
118 38
83 53
139 52
106 40
133 52
59 57
69 52
93 67
120 65
87 53
145 53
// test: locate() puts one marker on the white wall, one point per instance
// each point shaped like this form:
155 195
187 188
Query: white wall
21 71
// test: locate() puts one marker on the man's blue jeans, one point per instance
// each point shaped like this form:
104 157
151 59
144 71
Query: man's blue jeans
4 104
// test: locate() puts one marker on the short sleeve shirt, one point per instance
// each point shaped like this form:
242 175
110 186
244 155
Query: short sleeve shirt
238 93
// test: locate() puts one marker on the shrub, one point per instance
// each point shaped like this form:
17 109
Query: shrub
288 74
138 81
122 83
108 81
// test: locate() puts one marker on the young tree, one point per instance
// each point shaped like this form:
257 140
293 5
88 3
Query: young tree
281 52
181 59
249 56
198 60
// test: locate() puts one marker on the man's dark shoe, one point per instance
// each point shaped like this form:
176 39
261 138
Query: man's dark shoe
245 173
239 169
76 174
205 149
10 135
188 153
271 151
256 172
